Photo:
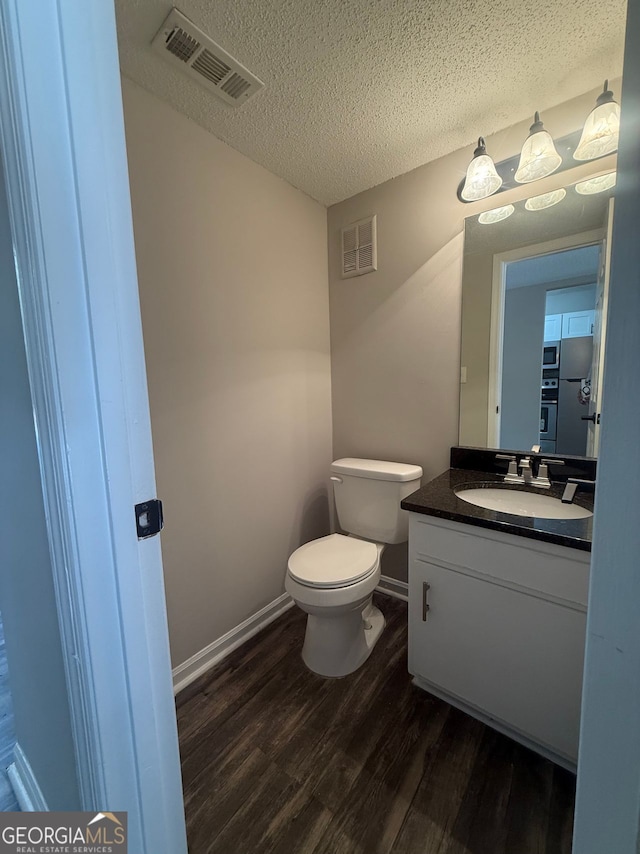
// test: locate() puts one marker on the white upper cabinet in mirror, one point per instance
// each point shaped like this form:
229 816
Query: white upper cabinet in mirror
534 295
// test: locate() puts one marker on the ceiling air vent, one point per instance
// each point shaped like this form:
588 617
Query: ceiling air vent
188 48
359 248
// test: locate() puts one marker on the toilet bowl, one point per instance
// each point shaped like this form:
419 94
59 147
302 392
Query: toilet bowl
332 579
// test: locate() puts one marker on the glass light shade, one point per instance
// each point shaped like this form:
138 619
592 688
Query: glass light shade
546 200
601 129
482 179
596 185
495 215
538 157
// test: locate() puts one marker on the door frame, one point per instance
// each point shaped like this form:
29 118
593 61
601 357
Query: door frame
597 378
496 335
62 138
608 784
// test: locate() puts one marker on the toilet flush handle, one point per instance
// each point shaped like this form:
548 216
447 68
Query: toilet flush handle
336 479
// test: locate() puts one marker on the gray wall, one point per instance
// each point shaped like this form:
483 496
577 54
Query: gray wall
232 266
477 281
27 599
522 366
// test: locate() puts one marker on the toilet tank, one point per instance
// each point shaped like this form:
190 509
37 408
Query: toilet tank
368 495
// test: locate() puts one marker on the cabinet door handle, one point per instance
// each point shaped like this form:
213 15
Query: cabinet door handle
425 601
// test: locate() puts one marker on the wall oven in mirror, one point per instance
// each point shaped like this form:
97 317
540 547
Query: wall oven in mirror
548 424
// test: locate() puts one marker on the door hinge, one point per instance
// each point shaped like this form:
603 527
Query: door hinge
149 518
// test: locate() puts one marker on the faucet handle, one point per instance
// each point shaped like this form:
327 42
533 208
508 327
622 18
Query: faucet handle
543 471
544 466
512 475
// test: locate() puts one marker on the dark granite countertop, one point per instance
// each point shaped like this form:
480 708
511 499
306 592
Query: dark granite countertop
437 498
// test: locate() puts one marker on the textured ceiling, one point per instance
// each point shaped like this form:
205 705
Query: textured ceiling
360 91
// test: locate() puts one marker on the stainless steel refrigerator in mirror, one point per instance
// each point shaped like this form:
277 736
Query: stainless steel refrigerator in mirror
574 376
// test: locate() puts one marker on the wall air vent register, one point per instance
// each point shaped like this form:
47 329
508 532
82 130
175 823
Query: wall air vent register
359 248
195 54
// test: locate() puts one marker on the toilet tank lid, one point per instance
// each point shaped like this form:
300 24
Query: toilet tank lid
376 469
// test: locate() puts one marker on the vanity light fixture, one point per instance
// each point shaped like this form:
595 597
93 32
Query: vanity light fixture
482 179
546 200
495 215
601 129
538 157
596 185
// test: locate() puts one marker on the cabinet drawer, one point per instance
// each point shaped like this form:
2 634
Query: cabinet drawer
556 572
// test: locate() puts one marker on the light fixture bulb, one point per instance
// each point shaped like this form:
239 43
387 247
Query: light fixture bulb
601 129
538 157
495 215
596 185
482 179
546 200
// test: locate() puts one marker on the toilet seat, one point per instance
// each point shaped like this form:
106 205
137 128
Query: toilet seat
333 561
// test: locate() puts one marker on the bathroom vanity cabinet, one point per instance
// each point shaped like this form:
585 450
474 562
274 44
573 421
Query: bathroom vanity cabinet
497 627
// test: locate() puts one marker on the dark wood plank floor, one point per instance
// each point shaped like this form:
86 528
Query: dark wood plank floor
277 760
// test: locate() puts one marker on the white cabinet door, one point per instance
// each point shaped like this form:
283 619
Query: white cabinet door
516 657
576 324
553 327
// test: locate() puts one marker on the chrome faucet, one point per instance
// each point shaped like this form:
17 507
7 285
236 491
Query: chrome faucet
530 476
525 469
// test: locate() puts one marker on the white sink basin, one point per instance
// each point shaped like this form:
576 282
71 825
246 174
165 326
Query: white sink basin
519 503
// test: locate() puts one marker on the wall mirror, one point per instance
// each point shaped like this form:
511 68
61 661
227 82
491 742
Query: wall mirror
534 301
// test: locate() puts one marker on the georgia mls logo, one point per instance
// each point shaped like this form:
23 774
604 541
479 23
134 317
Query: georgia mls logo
63 833
103 832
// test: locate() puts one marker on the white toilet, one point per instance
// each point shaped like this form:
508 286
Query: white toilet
333 578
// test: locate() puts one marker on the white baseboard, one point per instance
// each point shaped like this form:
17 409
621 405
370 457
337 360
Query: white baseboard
24 784
184 674
393 587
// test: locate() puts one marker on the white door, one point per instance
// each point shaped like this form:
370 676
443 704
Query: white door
599 336
62 134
